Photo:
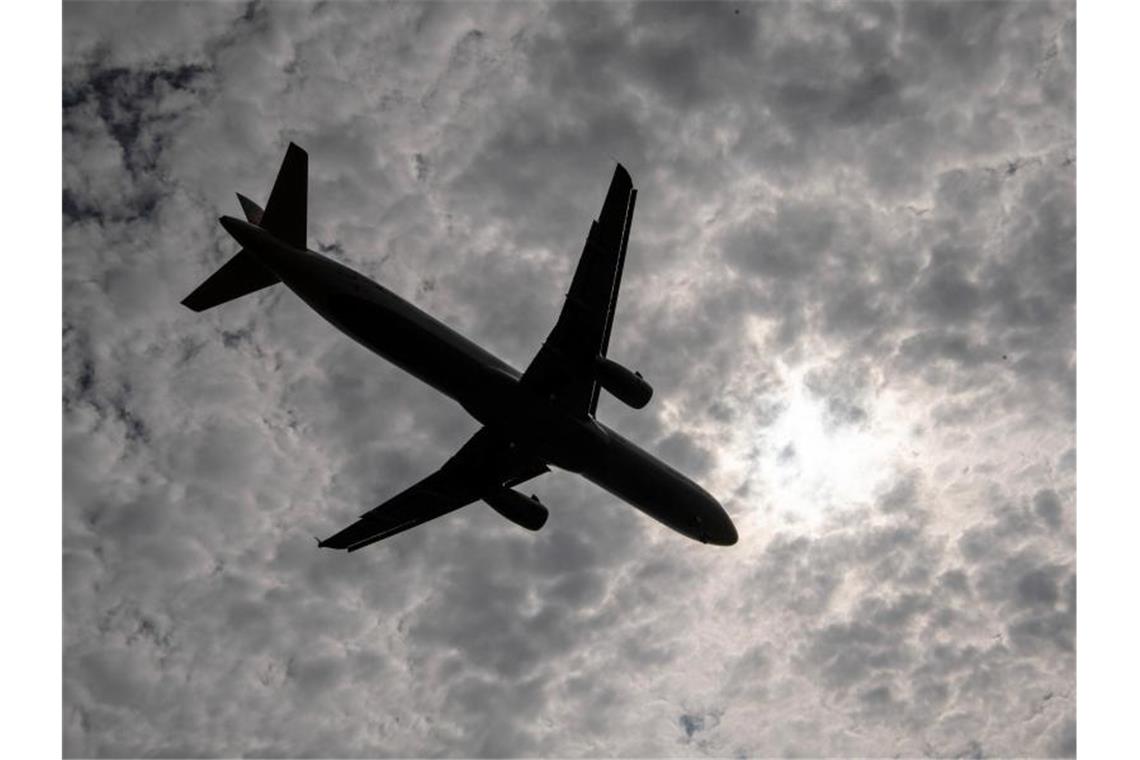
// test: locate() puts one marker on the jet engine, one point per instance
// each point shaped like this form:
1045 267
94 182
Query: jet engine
628 387
529 513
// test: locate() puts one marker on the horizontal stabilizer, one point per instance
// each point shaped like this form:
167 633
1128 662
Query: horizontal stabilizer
239 276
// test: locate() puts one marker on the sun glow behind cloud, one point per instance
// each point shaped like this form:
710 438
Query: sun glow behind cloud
796 459
821 466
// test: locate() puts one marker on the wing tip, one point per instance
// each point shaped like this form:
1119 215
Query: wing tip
195 302
621 173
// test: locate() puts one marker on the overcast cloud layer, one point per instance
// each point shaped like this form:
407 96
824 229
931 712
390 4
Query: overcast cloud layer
850 280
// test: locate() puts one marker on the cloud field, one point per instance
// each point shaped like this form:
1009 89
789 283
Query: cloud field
851 281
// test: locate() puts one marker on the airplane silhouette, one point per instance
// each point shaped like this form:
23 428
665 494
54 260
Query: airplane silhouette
531 420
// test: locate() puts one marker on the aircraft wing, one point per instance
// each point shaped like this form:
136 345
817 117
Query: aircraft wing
564 366
485 463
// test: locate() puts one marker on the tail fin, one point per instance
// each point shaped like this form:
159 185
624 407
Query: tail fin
284 216
285 213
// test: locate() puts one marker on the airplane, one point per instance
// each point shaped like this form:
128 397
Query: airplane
544 416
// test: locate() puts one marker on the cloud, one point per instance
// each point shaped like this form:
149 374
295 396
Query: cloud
851 282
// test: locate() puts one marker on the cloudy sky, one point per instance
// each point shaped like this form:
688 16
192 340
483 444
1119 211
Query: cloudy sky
851 281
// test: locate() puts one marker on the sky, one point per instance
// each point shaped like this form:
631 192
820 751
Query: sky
851 281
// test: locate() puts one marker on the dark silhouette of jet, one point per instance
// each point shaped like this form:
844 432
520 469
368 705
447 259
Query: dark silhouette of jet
543 416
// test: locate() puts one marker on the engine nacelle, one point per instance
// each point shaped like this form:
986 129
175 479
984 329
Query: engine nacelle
628 387
529 513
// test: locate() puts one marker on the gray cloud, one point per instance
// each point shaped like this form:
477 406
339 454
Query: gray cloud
854 244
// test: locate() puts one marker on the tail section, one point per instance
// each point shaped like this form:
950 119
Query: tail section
284 216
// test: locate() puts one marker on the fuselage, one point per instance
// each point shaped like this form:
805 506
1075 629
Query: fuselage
487 387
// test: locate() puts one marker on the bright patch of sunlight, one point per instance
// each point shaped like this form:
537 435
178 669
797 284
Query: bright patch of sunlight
798 462
814 465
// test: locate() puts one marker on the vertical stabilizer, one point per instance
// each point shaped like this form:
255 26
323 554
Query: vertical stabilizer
286 211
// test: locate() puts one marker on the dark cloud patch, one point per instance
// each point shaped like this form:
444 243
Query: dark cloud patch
847 654
1047 505
135 110
1066 745
422 166
924 350
695 723
1037 588
691 724
876 96
798 573
791 244
943 289
902 496
956 581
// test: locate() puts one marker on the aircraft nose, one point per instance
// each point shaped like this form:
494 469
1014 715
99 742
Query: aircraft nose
726 535
714 526
719 531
